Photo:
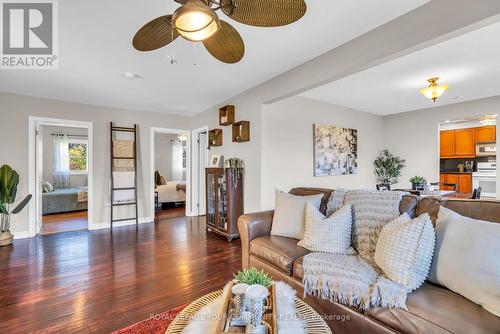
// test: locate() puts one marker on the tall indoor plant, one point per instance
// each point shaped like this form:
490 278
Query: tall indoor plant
388 168
9 180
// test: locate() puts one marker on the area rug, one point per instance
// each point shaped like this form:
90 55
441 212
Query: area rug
157 324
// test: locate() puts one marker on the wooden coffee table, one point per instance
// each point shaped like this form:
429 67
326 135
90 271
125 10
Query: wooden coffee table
313 321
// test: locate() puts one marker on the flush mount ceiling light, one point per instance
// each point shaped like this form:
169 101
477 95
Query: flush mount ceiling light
197 20
434 91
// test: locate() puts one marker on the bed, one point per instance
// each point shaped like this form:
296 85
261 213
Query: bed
64 200
171 192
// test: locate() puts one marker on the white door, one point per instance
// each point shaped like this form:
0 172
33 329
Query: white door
203 163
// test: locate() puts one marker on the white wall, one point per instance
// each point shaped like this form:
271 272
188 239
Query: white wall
414 135
287 150
15 110
163 154
75 181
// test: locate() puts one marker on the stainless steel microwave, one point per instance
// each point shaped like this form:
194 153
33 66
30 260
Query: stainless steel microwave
486 149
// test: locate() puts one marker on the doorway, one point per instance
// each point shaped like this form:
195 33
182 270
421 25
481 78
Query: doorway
468 157
61 176
200 162
170 173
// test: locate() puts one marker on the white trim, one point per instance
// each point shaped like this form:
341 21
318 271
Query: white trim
152 132
33 122
196 189
21 235
101 226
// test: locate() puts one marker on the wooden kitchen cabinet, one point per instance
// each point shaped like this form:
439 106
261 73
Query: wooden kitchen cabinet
464 183
447 143
465 144
486 133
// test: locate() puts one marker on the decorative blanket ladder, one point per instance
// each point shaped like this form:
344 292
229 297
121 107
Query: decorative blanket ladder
123 170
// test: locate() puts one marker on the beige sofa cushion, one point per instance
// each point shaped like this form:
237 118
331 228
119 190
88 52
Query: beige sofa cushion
290 214
467 258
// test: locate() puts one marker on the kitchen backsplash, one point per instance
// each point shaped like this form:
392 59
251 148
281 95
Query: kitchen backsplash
451 165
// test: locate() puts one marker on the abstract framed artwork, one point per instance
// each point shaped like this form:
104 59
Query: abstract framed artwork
335 150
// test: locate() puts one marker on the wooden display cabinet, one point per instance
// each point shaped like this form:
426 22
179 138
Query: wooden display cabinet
224 201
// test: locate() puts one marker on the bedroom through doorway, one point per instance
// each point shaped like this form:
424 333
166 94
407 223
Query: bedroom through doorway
62 177
171 173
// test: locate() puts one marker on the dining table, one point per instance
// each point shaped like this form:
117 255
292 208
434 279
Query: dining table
439 193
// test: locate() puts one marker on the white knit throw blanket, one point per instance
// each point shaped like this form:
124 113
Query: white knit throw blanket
355 280
349 280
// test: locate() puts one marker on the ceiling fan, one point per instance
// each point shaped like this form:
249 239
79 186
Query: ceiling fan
197 21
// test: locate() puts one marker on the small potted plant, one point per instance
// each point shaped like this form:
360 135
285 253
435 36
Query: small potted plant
253 276
9 180
418 182
461 168
212 137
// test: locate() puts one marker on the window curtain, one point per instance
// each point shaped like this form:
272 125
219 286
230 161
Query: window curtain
177 170
61 162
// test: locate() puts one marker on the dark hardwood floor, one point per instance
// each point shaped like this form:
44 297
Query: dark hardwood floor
62 222
99 282
173 212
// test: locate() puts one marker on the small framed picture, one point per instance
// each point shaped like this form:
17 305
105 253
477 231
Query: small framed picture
216 161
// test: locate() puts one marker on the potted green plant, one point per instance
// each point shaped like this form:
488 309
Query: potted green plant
252 276
9 180
418 182
388 168
212 138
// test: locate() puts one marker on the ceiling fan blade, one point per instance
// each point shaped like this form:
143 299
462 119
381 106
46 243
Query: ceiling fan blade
155 34
264 13
226 44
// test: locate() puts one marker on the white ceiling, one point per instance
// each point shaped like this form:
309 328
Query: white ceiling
95 51
469 64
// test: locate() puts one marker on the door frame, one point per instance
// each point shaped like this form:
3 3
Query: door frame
197 170
152 132
33 141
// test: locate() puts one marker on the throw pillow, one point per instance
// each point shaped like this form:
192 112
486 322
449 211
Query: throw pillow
328 235
290 214
466 259
47 187
50 187
404 250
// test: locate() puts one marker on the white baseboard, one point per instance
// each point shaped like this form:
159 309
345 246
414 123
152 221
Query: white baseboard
100 226
21 235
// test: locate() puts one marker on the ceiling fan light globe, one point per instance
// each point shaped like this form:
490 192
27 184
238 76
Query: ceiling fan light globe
195 21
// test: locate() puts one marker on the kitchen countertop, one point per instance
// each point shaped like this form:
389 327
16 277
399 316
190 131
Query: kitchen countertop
456 172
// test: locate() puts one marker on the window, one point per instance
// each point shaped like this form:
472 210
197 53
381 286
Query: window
77 152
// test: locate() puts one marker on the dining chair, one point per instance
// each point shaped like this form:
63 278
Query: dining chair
476 194
383 186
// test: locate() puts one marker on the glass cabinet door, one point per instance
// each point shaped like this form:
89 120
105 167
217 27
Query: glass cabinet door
211 200
222 198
